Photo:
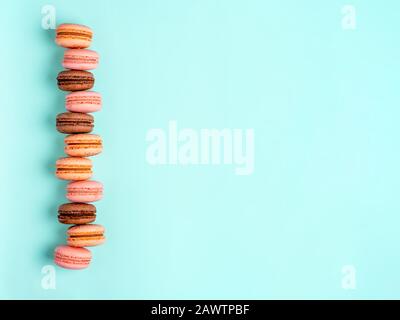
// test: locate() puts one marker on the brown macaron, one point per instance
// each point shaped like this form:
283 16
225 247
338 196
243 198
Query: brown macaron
74 122
75 80
76 213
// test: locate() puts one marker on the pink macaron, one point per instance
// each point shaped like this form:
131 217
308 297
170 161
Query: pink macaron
80 59
72 257
84 191
83 101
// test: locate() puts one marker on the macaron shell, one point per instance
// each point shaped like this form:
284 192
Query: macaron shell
86 242
80 59
73 122
87 229
74 176
83 101
72 258
74 168
83 145
84 191
70 35
75 80
76 220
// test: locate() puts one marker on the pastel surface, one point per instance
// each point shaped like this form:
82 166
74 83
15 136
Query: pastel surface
85 235
74 168
73 122
83 101
80 59
325 106
84 191
73 35
75 80
76 213
72 258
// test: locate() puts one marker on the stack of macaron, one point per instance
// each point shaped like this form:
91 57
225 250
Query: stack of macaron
80 144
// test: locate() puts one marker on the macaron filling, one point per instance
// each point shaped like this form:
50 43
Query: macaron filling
87 236
74 168
82 59
74 122
87 143
84 35
85 192
75 215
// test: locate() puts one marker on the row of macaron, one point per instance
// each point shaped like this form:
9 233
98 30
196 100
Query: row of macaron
79 145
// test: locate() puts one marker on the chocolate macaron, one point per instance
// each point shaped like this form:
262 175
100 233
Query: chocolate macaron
76 213
75 80
74 122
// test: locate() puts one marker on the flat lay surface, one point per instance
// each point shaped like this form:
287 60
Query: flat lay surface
307 207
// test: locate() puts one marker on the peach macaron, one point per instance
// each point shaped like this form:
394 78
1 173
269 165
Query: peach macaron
83 145
86 235
69 35
74 168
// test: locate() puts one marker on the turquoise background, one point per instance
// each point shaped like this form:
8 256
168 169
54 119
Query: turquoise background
325 106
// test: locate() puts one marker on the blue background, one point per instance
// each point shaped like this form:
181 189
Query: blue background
324 104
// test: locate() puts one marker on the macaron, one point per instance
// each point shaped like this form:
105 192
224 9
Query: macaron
86 235
74 168
83 145
76 213
75 80
74 122
83 101
80 59
84 191
72 257
70 35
